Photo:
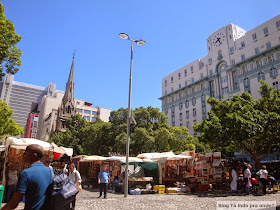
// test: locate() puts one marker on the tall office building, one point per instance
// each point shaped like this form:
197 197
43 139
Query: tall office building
236 62
20 96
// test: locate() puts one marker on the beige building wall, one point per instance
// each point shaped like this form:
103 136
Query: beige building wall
235 62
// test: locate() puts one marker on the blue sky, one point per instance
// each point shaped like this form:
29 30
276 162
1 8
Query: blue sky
175 32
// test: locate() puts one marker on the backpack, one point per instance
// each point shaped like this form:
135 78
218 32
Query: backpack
61 193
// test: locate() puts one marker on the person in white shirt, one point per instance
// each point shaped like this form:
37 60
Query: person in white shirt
233 184
263 178
247 176
75 176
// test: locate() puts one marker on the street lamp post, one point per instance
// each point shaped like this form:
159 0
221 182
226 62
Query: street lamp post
138 42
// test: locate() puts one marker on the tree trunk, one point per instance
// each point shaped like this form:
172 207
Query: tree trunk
257 163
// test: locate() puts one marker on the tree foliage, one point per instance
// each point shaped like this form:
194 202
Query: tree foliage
7 124
151 133
243 123
9 53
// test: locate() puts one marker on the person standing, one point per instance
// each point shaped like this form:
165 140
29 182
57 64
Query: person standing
247 177
75 176
103 179
233 184
33 183
263 173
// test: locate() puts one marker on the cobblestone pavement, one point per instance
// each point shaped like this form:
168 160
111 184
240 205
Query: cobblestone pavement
88 199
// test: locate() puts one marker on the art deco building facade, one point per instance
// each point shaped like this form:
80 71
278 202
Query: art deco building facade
236 62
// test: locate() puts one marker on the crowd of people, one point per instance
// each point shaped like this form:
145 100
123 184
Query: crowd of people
244 179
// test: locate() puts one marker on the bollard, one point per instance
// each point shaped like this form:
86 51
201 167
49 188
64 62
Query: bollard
1 193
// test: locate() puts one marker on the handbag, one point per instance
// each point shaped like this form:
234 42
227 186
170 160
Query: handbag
80 188
249 184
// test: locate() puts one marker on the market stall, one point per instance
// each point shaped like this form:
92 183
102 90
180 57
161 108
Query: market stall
12 159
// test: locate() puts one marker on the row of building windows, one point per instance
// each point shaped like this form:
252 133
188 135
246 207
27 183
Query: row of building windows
93 119
87 111
260 62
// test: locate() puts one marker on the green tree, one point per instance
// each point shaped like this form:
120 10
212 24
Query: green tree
9 53
73 136
243 123
7 124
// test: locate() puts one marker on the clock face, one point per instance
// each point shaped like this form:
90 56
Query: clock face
218 39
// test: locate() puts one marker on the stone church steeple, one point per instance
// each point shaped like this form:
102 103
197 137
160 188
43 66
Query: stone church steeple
67 108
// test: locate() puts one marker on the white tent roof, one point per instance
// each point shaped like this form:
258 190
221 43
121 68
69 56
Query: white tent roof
162 157
123 159
22 143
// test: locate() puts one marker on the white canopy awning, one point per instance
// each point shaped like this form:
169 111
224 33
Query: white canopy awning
22 143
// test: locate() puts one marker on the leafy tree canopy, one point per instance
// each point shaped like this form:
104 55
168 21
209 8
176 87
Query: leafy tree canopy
9 53
243 123
7 124
151 133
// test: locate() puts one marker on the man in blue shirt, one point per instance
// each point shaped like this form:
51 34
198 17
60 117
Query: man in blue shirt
33 183
103 179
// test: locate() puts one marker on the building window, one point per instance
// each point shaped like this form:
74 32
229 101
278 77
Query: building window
192 80
172 90
203 108
210 60
191 69
172 108
165 92
186 83
165 82
211 72
277 55
187 103
186 72
254 36
220 55
225 90
257 50
79 110
93 119
246 82
201 76
242 44
242 57
273 72
194 112
231 50
180 86
258 63
86 112
78 102
87 118
275 85
270 58
171 79
251 65
261 76
203 97
94 112
187 124
224 79
268 45
187 114
193 101
179 75
181 116
233 62
265 31
181 105
264 60
278 24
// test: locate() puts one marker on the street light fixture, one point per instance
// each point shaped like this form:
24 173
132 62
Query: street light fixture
138 42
